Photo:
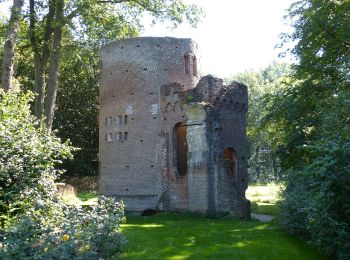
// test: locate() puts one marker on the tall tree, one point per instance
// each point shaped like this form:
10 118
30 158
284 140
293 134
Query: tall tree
322 36
263 158
86 20
310 121
9 45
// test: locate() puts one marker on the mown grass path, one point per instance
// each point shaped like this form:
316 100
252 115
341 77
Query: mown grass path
181 236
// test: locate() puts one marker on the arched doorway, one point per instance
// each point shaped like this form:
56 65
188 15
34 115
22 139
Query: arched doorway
230 158
180 148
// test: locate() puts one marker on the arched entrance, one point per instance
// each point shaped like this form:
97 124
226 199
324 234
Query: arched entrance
230 158
180 148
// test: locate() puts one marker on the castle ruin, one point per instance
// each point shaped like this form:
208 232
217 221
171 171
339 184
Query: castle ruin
170 139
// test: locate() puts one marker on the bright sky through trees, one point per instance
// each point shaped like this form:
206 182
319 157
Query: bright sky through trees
235 35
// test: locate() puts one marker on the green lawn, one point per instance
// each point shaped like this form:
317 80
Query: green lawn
186 236
263 198
82 198
181 236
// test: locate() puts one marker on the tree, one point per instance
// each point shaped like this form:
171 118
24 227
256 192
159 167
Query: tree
263 159
322 74
77 106
35 223
9 45
92 21
321 33
27 156
310 122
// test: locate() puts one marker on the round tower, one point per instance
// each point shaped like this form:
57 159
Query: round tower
132 72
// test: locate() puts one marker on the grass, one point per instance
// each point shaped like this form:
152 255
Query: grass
264 198
185 236
181 236
82 198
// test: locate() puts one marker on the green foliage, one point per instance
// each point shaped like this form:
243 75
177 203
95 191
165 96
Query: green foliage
323 218
27 157
87 26
321 33
74 234
322 176
101 21
263 158
309 124
189 99
76 117
264 198
35 223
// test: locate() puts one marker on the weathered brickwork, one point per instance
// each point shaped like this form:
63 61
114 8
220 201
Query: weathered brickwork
169 139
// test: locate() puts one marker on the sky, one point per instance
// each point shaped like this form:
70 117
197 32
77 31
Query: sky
234 35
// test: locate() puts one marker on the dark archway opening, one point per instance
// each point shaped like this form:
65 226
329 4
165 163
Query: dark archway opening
194 59
180 148
230 158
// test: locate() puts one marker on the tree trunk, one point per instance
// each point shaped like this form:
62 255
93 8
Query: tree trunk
53 66
39 87
9 46
40 57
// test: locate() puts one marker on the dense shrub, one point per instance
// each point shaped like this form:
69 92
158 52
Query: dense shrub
27 158
75 234
316 203
35 223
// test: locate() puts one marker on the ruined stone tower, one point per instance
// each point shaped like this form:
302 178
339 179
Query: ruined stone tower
168 139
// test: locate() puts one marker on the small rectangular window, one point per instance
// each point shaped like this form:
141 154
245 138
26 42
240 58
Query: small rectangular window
106 121
109 137
109 121
119 136
125 119
125 136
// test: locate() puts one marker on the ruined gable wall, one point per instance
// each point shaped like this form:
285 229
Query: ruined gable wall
215 116
228 131
226 128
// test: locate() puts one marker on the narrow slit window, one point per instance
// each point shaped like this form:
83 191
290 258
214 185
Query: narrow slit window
109 123
125 136
194 66
106 121
187 63
125 119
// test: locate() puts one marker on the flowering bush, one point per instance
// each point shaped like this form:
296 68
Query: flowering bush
77 234
34 221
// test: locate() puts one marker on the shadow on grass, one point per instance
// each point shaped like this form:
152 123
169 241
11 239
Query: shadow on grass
176 236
